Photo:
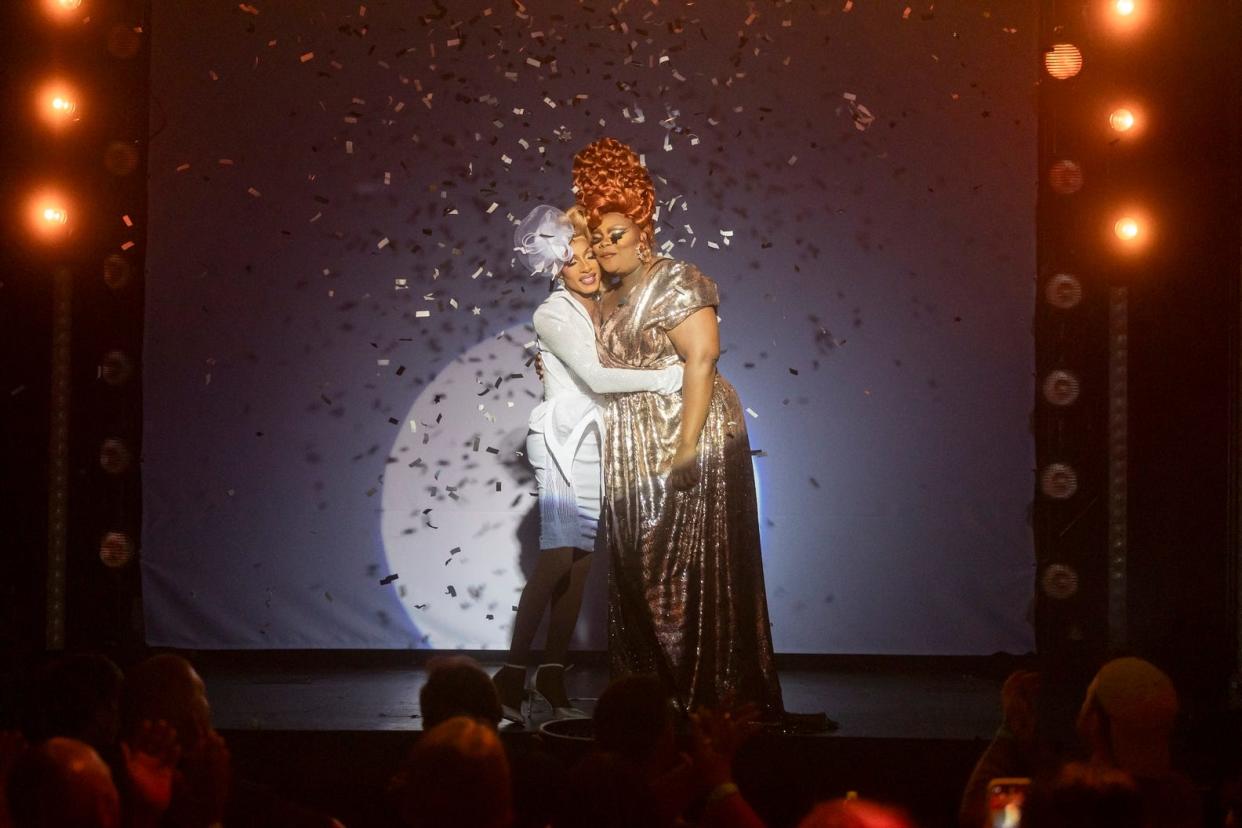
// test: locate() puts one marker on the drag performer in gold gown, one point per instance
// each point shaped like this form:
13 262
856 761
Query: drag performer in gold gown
686 590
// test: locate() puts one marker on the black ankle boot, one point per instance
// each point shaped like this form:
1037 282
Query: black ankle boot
510 683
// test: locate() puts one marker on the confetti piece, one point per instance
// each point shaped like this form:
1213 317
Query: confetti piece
307 56
752 413
388 579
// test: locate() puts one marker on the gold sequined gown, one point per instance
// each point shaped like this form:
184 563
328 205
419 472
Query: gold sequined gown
686 593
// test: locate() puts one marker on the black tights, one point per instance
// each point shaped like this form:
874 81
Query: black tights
559 581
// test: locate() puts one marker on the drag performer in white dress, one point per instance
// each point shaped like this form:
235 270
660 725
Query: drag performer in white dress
563 446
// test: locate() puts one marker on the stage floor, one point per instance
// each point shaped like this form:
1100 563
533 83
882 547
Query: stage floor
891 702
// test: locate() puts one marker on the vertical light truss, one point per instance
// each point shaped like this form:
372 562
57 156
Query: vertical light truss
1118 463
58 457
1235 473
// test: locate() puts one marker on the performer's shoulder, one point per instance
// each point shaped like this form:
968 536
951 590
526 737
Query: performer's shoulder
555 303
557 309
681 273
680 267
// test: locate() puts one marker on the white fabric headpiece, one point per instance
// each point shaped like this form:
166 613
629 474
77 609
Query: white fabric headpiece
542 240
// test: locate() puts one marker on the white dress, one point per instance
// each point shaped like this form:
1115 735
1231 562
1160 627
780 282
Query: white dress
563 445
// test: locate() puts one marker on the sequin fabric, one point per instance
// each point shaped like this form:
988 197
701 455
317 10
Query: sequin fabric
686 591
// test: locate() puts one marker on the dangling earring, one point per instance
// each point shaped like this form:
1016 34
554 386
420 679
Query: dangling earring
643 254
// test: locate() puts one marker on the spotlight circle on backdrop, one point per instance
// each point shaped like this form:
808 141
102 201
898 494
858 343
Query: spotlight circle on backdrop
1063 61
121 158
1063 291
1059 581
461 577
116 550
1065 176
1059 481
116 271
1061 388
116 368
114 456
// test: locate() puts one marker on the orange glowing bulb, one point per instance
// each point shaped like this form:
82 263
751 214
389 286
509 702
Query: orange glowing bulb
57 104
1127 229
64 9
1122 120
1063 61
1125 8
48 217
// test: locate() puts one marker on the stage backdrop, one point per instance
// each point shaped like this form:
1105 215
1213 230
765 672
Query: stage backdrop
337 366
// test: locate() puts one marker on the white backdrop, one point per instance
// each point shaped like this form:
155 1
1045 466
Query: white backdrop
332 191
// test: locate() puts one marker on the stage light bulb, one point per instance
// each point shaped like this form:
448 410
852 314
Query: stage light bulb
1066 177
1122 120
1063 61
1127 229
48 216
1125 17
62 8
57 103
